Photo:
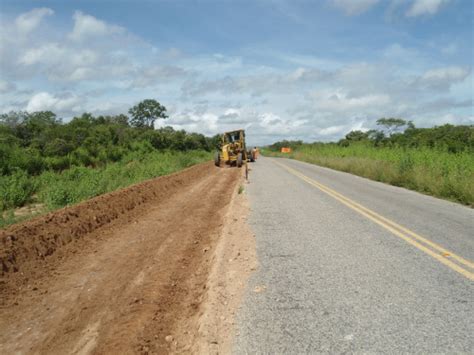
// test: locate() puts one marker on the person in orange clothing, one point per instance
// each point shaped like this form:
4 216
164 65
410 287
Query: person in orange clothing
255 152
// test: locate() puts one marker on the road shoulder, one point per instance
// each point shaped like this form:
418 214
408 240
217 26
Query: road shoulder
234 261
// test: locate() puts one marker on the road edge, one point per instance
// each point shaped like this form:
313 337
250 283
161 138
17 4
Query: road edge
234 260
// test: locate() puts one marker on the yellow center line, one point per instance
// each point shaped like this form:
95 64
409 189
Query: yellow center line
444 251
396 229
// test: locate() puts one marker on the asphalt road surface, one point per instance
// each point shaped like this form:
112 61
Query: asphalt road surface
351 265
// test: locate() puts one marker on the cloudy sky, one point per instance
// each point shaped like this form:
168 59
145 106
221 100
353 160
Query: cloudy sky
295 69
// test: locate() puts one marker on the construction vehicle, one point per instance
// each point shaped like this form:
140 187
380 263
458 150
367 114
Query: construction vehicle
232 150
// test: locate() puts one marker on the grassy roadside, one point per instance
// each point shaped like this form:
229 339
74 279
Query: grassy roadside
52 190
437 173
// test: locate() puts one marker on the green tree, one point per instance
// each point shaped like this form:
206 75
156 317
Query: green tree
39 123
376 136
357 136
58 147
42 118
146 112
120 119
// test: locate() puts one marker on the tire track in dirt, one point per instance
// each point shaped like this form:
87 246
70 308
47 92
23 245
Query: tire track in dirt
132 285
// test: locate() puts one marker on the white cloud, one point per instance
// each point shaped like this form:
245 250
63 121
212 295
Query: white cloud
101 68
204 122
330 131
443 78
328 104
156 75
87 26
425 7
6 86
49 53
340 101
257 124
45 101
65 59
449 74
255 85
81 73
94 52
64 63
27 22
354 7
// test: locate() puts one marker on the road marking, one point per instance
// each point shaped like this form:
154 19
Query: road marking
439 253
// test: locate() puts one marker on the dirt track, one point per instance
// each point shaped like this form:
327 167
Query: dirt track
123 273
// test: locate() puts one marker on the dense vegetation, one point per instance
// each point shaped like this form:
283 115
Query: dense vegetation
53 163
438 161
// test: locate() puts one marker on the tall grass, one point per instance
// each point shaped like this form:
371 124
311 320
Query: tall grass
433 172
58 189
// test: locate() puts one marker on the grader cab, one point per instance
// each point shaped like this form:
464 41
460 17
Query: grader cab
233 151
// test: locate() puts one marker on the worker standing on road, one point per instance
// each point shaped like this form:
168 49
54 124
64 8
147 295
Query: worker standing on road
255 152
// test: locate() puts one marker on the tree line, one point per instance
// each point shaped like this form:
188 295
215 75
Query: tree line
400 133
39 141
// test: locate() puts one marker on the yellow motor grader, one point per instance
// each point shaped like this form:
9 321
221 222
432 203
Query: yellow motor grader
232 150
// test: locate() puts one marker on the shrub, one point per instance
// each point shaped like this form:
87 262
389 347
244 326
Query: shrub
16 189
79 183
81 157
57 163
58 147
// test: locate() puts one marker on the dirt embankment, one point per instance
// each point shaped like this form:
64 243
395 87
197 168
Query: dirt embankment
126 272
24 246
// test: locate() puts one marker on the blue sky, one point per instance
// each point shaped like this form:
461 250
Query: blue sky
311 70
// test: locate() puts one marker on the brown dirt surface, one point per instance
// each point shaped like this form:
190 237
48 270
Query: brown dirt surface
126 272
234 261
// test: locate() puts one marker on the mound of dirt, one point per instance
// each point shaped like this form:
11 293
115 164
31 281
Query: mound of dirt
25 247
127 272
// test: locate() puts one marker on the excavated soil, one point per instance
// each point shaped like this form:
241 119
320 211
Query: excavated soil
234 261
125 272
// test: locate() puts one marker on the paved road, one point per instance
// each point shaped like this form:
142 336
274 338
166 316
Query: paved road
352 265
